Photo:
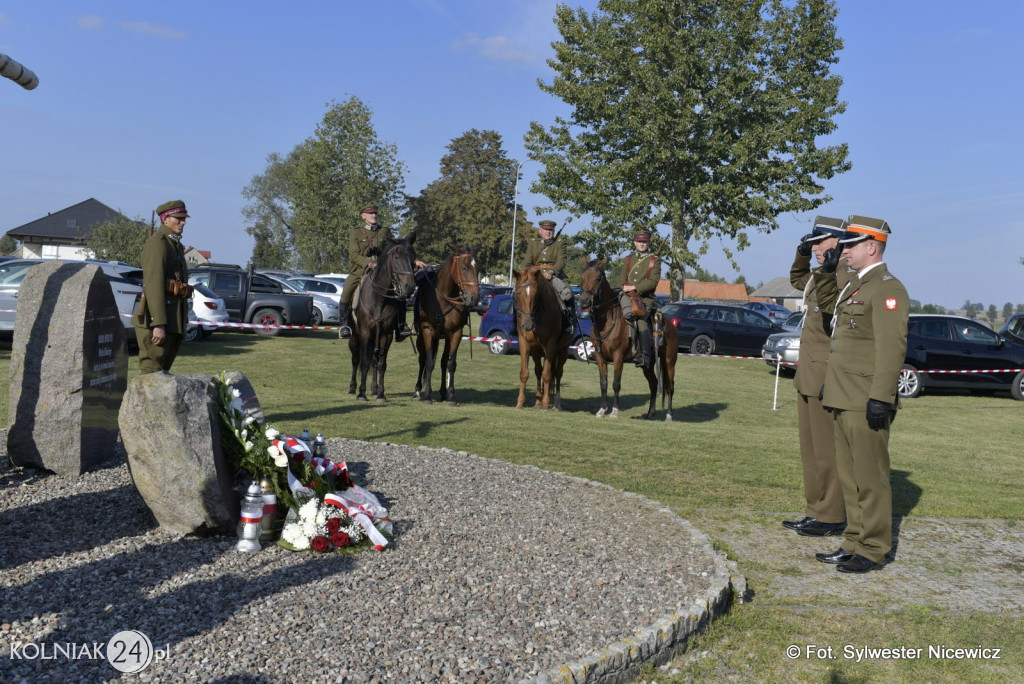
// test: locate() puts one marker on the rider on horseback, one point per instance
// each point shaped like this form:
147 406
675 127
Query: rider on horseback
549 251
639 276
365 244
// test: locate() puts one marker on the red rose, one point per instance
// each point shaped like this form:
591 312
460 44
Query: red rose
319 543
333 525
340 540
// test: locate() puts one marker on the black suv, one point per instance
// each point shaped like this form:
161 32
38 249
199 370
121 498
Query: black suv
711 328
956 343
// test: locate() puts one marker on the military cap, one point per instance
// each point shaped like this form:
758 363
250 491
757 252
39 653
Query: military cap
546 223
826 227
861 228
172 208
369 209
642 236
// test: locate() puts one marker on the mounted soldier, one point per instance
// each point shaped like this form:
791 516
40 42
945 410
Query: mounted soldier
365 244
548 250
641 271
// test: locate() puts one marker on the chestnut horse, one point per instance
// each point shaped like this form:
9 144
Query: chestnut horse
610 335
441 309
541 337
380 307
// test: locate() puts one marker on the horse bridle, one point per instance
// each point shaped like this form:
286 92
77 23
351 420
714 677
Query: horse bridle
391 291
457 267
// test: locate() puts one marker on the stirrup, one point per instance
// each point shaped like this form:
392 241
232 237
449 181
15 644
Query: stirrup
402 332
344 332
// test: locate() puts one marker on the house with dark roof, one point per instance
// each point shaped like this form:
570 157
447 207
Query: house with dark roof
780 291
63 234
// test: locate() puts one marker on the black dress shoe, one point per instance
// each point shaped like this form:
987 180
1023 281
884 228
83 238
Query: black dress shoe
840 555
858 565
817 528
797 524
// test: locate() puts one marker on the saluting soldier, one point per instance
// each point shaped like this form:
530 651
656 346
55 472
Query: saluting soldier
365 244
825 512
640 273
869 344
162 314
548 250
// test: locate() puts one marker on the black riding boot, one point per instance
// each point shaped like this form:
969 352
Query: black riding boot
402 331
344 332
569 315
646 348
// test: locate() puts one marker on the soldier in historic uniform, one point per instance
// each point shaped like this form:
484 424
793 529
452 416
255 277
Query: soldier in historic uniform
365 244
162 314
549 250
825 513
640 273
869 344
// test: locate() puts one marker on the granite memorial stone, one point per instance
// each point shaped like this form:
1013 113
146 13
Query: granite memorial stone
69 369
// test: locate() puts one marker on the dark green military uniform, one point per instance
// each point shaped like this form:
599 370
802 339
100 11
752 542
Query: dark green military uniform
869 343
163 259
365 244
642 270
822 491
552 252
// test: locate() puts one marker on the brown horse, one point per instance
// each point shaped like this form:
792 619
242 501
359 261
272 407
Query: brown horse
610 335
441 309
541 336
380 307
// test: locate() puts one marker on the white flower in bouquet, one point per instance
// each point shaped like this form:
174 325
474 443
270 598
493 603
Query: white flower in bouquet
307 517
272 434
294 535
354 532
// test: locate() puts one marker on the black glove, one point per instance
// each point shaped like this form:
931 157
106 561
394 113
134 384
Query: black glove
831 261
878 414
805 247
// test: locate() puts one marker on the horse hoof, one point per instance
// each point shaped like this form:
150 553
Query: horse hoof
451 403
668 417
600 414
614 413
361 397
381 401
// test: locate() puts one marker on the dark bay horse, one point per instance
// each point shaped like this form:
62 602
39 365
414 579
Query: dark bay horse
380 307
441 309
610 335
541 337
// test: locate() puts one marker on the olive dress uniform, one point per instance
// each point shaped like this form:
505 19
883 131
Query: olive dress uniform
642 270
163 259
817 442
551 254
869 343
361 241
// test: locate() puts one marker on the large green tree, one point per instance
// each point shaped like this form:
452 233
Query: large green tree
339 170
471 203
119 239
268 213
316 192
702 115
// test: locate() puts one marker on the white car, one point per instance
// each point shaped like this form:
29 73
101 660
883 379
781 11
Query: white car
311 285
207 307
325 307
125 282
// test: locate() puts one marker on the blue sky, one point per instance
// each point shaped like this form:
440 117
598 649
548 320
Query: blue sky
139 103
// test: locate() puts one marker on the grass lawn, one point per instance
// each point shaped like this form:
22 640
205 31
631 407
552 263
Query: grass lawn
727 454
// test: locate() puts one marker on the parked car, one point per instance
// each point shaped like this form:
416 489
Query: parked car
955 343
207 306
1014 328
707 328
784 347
325 308
794 322
254 298
499 323
125 283
311 284
776 313
487 293
339 278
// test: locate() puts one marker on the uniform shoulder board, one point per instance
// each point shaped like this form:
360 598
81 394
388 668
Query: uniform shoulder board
887 277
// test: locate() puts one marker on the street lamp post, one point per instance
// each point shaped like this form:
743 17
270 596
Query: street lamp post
515 217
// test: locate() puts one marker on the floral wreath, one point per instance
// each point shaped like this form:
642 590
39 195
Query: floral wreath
325 509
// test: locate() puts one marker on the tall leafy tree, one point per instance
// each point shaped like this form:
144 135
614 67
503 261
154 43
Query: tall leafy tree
471 203
702 115
119 239
269 213
340 169
7 245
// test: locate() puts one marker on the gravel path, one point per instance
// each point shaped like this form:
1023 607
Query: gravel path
498 573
